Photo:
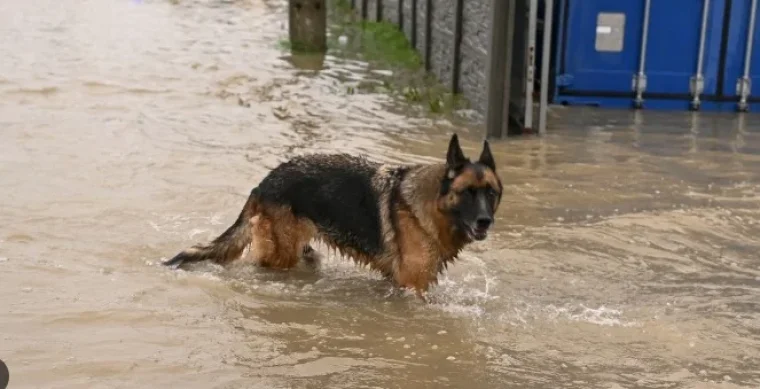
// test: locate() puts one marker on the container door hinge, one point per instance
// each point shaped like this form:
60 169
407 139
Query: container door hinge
640 79
743 89
697 82
639 85
696 87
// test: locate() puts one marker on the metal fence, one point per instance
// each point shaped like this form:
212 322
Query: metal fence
483 49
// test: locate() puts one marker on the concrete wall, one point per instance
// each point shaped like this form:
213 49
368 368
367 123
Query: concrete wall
475 40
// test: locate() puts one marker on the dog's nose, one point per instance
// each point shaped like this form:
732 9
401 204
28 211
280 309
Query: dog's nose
483 222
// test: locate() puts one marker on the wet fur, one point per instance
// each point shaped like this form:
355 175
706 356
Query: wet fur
407 222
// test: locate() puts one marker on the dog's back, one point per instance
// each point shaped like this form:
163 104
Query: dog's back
332 197
335 192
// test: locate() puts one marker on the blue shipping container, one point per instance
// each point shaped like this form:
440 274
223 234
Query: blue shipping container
738 35
598 53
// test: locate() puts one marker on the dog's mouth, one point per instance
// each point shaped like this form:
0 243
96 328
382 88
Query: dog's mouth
475 233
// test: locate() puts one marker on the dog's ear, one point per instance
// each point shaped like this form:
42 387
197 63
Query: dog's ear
486 158
455 157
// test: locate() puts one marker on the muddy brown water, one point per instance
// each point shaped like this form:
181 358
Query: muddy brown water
625 255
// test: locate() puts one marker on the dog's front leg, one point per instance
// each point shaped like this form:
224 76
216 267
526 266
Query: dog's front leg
415 275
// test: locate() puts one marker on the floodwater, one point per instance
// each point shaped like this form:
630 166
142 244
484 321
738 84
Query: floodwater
625 256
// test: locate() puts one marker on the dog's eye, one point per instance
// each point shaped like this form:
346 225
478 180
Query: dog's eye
492 192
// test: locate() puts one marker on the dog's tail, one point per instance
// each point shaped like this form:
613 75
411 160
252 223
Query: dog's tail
228 246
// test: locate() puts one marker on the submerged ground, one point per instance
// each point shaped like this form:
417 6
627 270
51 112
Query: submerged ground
626 251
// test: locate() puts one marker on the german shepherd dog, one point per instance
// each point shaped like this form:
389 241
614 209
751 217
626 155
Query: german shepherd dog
407 222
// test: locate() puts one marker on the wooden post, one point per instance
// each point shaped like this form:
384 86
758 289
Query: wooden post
313 60
308 25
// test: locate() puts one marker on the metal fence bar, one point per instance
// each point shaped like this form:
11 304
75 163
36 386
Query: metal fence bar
428 33
401 15
543 102
517 63
457 58
511 20
364 9
414 24
379 10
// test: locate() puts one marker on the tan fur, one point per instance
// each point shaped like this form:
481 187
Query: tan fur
279 238
426 238
468 178
418 262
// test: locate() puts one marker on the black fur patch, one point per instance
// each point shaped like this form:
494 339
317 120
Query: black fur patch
446 181
395 199
333 191
445 186
480 170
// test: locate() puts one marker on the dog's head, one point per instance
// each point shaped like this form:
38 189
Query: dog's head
470 191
